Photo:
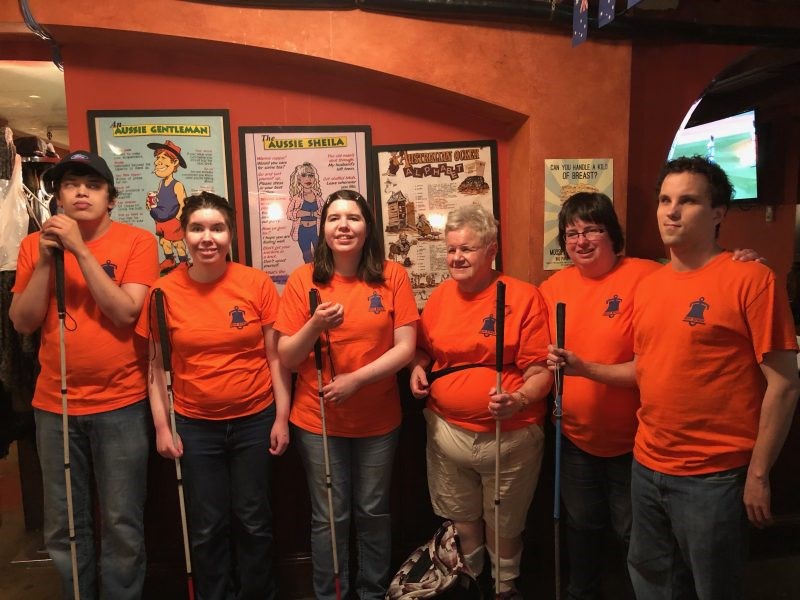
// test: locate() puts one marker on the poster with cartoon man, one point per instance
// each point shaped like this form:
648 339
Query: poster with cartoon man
166 204
159 158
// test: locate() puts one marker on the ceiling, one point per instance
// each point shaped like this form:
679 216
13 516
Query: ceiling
32 100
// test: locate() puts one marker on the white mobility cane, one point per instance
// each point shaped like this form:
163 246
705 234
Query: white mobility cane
500 324
561 310
313 301
166 357
58 256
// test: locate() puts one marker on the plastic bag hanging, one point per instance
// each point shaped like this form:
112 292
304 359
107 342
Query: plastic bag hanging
13 219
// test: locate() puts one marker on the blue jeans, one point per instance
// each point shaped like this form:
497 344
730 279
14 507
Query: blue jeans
226 470
689 536
307 238
114 446
361 475
596 491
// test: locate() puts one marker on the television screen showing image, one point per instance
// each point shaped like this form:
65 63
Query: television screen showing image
729 142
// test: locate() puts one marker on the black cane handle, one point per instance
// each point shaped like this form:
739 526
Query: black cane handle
58 259
500 324
313 302
163 334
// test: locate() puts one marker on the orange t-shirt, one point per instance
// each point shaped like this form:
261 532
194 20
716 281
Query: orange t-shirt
699 337
459 329
598 418
106 364
219 359
371 314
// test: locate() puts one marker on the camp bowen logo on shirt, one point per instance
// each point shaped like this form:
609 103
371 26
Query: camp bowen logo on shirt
489 326
110 269
237 318
376 303
612 306
697 309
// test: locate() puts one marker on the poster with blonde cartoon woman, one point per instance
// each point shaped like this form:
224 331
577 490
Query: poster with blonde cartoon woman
287 172
304 209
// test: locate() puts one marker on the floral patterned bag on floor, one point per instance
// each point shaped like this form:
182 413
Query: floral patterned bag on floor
435 570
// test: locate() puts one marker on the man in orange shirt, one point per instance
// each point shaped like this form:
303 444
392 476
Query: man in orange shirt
108 268
714 359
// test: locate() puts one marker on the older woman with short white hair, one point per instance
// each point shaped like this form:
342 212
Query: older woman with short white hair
455 367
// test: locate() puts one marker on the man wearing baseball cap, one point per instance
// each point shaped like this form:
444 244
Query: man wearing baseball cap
108 268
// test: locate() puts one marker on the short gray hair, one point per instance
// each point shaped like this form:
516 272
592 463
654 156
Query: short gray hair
477 218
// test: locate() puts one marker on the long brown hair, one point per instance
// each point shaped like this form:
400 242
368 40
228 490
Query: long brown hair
370 265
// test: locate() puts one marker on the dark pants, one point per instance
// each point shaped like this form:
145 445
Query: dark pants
689 535
226 470
597 495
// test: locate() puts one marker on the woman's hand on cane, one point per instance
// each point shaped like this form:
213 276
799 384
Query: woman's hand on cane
571 363
341 387
503 405
329 315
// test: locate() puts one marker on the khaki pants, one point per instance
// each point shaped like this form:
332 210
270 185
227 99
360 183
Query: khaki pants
461 466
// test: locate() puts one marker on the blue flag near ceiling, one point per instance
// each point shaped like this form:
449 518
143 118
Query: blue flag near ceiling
605 12
580 22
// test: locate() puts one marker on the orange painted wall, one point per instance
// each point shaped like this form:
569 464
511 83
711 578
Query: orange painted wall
411 80
258 91
522 85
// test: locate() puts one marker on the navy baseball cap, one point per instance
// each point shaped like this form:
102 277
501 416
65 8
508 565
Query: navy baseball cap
79 157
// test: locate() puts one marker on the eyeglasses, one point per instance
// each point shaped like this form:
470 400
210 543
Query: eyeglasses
590 233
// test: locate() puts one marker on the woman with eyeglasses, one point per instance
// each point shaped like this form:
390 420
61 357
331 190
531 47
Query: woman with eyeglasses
365 321
599 421
455 368
231 399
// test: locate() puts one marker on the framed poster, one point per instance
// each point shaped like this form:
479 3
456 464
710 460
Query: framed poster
564 177
287 172
159 157
418 184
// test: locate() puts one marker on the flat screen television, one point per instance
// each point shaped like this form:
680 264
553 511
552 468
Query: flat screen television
731 143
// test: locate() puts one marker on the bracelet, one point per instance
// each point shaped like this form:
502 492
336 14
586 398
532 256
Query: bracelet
522 399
